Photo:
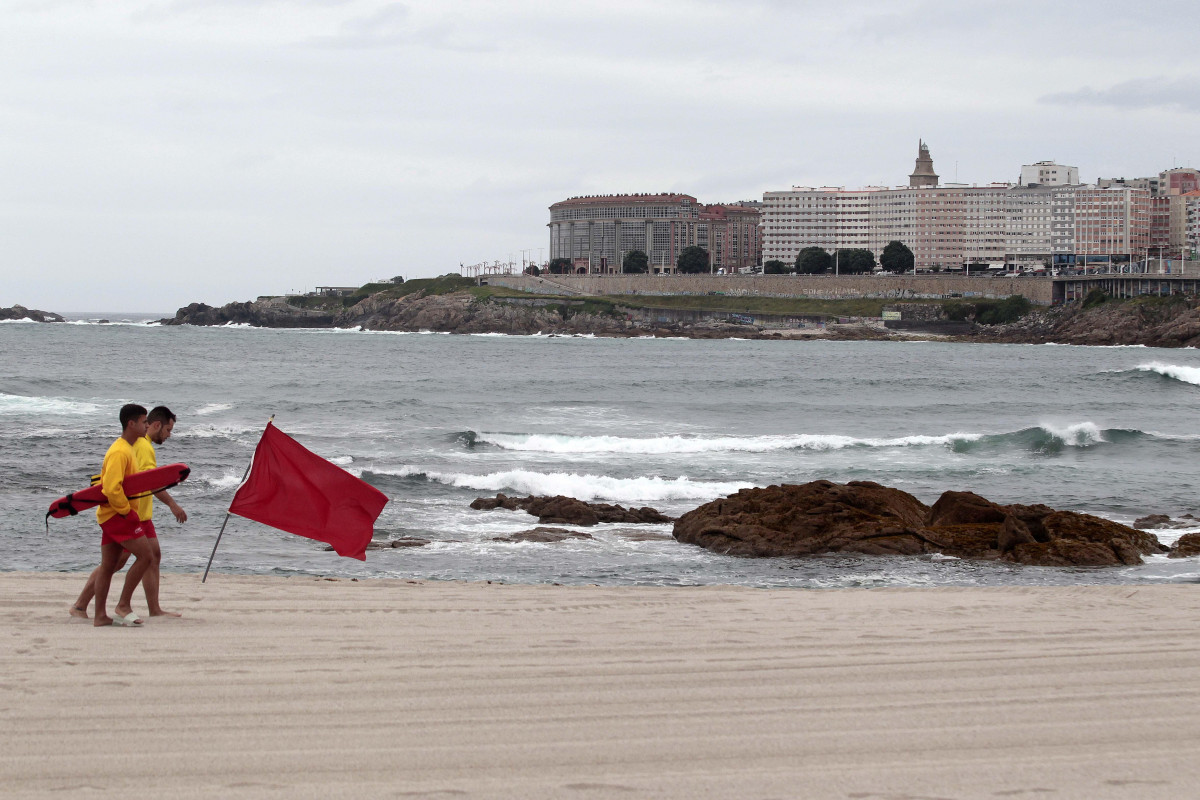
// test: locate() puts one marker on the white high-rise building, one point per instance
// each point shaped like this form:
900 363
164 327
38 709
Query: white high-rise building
1048 173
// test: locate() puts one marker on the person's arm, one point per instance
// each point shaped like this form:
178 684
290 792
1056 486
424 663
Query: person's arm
112 483
180 514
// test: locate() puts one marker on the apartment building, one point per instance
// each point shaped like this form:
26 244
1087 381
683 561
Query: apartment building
1046 219
1049 173
596 232
1191 204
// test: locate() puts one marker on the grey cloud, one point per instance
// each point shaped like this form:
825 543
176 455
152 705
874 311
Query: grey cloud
393 26
1173 94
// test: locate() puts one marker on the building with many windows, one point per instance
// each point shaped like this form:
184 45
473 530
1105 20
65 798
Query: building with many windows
1048 173
596 232
1046 219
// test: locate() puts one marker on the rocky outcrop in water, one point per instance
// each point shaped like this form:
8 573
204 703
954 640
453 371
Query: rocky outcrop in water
867 518
1154 522
21 312
561 510
1186 546
272 312
543 535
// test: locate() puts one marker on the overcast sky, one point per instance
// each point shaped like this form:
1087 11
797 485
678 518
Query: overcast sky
154 154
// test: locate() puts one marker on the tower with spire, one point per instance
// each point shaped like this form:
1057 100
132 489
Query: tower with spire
923 175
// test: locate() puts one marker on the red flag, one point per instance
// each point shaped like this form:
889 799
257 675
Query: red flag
295 490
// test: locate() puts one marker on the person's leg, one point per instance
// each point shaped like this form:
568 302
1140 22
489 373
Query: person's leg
109 553
151 582
144 553
79 609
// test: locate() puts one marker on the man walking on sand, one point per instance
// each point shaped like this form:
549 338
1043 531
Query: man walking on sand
160 425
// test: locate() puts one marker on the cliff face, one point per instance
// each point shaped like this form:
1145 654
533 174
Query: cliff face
453 313
1154 322
461 313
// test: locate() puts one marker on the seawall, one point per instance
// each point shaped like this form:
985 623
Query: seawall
824 287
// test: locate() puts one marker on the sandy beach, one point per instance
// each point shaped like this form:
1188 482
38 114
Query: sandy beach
275 687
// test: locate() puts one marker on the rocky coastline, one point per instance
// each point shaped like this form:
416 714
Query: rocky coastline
1166 322
866 518
859 518
19 312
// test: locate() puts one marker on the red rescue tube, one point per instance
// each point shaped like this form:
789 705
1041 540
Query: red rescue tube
139 483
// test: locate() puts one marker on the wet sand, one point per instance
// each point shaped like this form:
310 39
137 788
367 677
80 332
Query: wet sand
275 687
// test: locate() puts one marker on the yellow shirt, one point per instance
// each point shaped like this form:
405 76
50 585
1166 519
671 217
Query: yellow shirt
144 459
119 464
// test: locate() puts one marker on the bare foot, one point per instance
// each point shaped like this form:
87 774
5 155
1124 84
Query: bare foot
100 622
161 613
76 611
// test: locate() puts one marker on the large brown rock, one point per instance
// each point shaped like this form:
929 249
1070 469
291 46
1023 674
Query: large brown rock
865 517
1186 546
562 510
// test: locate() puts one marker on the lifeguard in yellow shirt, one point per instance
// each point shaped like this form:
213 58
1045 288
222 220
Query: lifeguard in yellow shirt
120 525
160 423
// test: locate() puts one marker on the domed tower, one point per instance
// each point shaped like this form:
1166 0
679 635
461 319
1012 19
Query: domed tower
923 175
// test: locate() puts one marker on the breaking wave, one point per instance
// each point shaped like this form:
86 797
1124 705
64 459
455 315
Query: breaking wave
1050 439
212 408
1045 438
663 445
584 487
1185 374
16 404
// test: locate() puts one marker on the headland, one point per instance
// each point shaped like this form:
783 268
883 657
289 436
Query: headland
765 307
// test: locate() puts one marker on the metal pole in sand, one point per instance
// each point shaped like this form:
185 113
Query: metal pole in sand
227 515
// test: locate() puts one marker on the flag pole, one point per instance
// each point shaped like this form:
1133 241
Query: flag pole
227 515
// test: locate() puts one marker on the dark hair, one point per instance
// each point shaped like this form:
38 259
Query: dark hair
160 414
130 412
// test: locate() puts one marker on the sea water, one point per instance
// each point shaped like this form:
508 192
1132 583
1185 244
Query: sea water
436 420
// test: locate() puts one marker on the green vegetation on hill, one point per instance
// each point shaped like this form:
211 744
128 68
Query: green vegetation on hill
989 312
443 284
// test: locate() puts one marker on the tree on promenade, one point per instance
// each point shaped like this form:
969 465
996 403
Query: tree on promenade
635 262
897 258
692 260
813 261
533 270
559 266
854 261
776 267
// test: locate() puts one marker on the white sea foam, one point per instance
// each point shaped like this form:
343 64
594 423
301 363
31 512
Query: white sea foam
584 487
1179 373
17 404
212 408
342 461
662 445
228 480
214 431
365 332
1081 434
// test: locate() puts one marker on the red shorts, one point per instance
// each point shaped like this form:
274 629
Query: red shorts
121 529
